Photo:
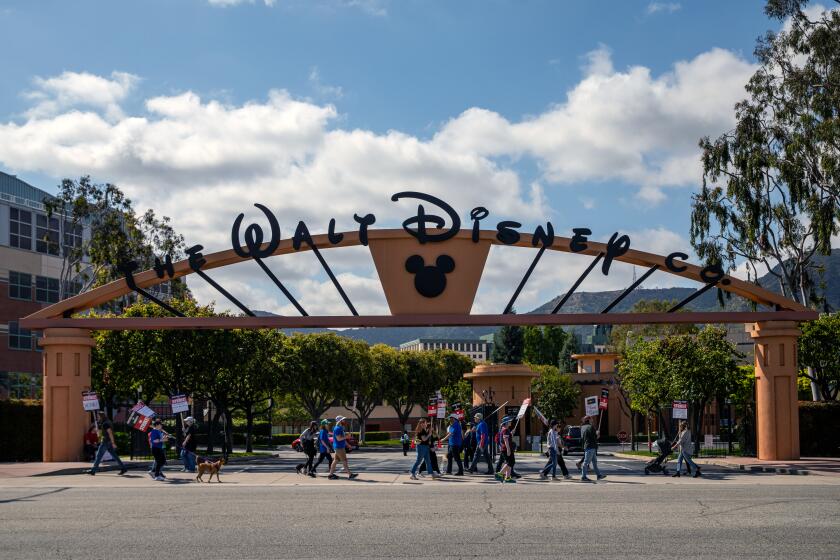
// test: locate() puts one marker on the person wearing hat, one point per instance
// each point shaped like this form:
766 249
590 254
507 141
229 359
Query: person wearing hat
157 441
589 441
324 447
469 445
482 434
455 435
307 439
188 445
506 450
340 444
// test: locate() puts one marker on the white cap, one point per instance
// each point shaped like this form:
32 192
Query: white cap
340 419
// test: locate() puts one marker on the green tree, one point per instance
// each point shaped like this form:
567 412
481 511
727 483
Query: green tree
543 345
419 375
819 350
642 374
321 372
620 334
117 235
458 392
565 361
367 380
555 393
264 366
508 345
771 186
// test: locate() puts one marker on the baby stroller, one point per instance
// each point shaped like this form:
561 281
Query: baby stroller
658 464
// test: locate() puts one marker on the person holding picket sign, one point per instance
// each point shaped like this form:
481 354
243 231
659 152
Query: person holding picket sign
506 450
107 444
482 434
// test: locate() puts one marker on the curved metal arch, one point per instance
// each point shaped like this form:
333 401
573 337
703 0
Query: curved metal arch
220 259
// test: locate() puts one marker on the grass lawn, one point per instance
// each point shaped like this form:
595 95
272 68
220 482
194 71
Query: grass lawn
384 443
640 453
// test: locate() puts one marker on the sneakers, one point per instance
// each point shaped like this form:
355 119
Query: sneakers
298 468
567 477
499 475
585 479
510 480
93 473
601 476
697 473
122 470
353 475
333 476
544 476
436 475
413 477
312 474
676 475
159 478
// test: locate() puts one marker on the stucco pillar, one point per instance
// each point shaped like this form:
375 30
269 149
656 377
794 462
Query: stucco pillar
777 405
66 375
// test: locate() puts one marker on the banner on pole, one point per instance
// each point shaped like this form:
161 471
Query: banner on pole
680 410
90 401
591 406
541 416
523 408
604 401
441 409
179 404
432 410
143 410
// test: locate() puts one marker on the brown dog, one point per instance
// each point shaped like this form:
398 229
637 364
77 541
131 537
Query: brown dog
212 468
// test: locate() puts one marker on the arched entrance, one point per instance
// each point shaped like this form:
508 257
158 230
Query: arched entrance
429 271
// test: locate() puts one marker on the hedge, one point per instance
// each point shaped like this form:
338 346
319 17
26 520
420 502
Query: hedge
374 436
819 429
21 430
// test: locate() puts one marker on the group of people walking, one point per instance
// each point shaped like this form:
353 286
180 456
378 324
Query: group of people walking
326 443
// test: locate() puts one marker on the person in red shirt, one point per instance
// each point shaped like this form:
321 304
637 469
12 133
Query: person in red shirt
91 442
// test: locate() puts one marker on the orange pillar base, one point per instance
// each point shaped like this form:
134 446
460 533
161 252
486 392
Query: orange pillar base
66 375
777 405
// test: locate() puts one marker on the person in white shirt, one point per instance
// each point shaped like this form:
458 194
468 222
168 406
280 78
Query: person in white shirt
685 447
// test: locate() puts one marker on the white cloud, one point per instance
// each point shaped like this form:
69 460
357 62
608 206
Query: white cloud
80 89
204 161
617 125
663 7
323 90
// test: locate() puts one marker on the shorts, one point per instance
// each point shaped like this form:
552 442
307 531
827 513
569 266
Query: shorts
341 454
508 459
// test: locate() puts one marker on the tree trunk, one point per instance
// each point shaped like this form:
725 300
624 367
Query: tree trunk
647 421
633 430
228 433
249 428
214 428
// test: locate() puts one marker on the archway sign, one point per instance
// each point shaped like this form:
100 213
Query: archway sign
429 270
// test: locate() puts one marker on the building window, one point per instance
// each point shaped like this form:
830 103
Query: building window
19 339
20 229
72 236
46 289
46 234
597 366
20 385
72 287
20 285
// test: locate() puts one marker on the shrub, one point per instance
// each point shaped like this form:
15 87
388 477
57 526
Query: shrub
819 428
283 439
21 430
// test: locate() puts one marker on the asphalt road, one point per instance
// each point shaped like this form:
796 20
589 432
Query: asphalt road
260 512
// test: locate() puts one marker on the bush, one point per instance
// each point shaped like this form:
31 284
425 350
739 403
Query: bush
283 439
21 431
260 427
819 428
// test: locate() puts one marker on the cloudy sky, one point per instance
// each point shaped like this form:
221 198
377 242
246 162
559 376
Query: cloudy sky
581 113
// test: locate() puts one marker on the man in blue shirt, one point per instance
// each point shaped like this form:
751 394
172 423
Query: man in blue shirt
482 434
456 440
340 444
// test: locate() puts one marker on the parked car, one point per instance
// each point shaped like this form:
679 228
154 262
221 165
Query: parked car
352 444
571 439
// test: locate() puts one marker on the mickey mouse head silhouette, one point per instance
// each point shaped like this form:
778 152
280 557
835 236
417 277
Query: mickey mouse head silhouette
430 281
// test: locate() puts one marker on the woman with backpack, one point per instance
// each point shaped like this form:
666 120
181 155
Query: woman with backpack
307 439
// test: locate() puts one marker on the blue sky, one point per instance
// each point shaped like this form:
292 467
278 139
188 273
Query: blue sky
584 113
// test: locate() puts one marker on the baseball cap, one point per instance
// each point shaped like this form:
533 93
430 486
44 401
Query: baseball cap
455 416
339 419
505 420
479 415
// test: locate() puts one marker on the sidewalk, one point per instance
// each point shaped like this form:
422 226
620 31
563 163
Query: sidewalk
821 466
